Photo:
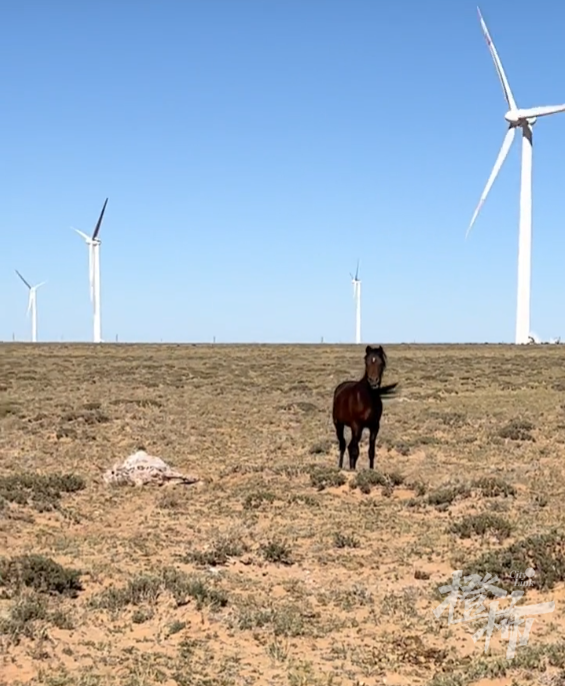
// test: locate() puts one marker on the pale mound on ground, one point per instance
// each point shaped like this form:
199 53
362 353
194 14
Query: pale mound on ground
140 468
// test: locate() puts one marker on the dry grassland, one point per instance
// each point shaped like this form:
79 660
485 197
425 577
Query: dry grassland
276 568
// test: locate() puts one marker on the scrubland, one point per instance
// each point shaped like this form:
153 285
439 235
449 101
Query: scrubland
276 568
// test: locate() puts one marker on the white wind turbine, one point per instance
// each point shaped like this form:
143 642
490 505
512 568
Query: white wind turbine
32 305
357 295
93 243
523 119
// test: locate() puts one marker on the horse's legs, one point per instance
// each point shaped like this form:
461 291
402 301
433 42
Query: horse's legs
353 447
372 440
340 431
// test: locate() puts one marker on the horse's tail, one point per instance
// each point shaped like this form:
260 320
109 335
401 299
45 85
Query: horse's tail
389 390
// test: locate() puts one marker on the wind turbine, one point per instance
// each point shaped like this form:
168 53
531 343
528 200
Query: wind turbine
32 305
357 295
93 243
523 119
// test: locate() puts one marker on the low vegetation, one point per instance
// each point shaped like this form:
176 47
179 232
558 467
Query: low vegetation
42 492
485 523
40 573
544 553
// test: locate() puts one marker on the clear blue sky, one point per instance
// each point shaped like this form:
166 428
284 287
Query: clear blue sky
251 151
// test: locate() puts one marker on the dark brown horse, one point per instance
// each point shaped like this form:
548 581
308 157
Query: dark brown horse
359 405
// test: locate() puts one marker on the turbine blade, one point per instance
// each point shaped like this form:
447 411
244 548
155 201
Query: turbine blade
506 143
22 278
542 111
498 64
97 227
30 300
40 284
81 233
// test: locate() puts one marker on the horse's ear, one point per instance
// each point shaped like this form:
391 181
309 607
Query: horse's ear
368 349
380 348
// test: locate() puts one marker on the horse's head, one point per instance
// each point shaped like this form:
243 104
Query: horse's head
375 364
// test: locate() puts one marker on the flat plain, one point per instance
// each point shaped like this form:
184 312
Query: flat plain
276 568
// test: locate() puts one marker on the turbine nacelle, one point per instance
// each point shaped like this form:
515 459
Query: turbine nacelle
32 289
519 118
355 279
87 239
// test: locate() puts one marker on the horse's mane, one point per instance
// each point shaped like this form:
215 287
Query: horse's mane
384 358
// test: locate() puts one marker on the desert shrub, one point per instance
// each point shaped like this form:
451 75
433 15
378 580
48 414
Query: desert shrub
147 588
481 524
365 479
324 477
40 573
40 491
277 551
517 430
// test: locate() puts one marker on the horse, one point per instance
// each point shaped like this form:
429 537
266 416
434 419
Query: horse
358 405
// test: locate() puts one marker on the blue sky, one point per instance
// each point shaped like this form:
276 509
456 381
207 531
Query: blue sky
251 151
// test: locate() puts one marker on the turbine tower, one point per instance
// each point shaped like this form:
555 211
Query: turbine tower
93 243
523 119
357 296
32 305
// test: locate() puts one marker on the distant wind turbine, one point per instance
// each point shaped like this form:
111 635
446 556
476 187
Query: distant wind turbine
523 119
32 305
357 296
93 243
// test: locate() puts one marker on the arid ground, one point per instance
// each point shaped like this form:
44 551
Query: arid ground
276 568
